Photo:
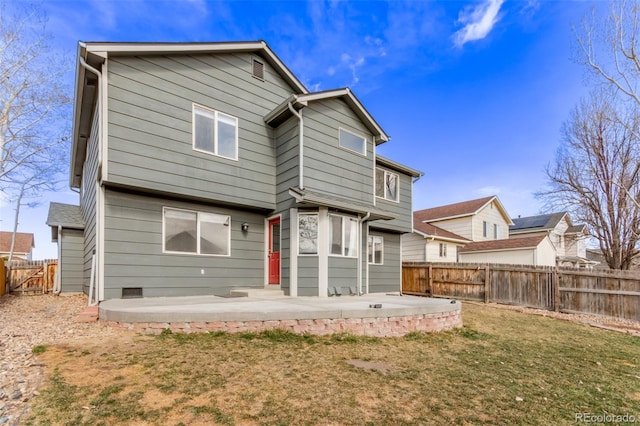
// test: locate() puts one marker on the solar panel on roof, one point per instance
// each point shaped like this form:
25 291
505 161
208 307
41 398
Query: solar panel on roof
530 222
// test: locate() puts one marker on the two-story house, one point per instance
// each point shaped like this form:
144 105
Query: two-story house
440 233
569 240
206 167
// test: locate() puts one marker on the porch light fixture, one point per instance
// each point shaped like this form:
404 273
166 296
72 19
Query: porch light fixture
244 227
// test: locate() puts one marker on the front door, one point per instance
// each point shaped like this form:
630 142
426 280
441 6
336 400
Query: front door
274 251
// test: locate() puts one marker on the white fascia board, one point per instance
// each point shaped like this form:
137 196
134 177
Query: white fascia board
503 211
440 238
502 250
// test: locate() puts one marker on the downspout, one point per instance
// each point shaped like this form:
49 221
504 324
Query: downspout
298 114
361 222
56 280
92 281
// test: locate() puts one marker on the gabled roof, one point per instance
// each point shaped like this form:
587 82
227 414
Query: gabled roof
428 230
24 242
506 244
282 112
95 53
65 215
462 209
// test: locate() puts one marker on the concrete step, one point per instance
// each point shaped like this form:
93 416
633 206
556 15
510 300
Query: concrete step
256 292
90 314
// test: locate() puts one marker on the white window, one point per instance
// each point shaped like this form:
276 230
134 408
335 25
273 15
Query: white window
485 228
343 236
495 231
376 249
215 133
352 142
308 233
443 250
193 232
386 185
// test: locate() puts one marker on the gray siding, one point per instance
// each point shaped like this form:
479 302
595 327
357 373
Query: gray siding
402 209
387 277
343 273
134 258
89 197
150 126
328 167
72 260
285 251
307 275
287 162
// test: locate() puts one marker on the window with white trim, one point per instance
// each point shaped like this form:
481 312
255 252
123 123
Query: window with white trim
485 228
375 244
495 231
387 184
352 141
443 250
343 236
192 232
215 133
308 233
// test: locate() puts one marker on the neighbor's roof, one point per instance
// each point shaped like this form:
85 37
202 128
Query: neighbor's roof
65 215
24 242
427 230
462 209
537 223
298 101
507 244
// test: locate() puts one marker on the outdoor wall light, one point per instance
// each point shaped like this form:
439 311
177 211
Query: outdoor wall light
244 227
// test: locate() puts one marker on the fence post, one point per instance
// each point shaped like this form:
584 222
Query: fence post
556 289
430 281
487 284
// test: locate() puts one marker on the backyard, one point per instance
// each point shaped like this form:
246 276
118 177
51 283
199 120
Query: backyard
503 367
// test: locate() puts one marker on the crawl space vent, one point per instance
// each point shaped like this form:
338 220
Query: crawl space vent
131 292
258 69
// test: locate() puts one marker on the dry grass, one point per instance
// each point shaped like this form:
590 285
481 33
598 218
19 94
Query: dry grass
504 367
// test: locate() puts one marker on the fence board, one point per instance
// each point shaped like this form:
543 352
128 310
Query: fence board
609 293
3 278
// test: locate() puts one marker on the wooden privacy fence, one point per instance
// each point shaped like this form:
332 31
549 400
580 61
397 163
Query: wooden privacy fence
3 279
610 293
30 276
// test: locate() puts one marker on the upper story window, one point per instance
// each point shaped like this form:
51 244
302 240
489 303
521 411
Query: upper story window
485 228
495 231
343 236
192 232
387 185
215 133
443 250
352 142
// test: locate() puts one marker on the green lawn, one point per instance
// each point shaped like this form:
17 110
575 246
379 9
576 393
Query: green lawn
503 367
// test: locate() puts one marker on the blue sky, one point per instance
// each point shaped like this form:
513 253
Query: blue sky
473 93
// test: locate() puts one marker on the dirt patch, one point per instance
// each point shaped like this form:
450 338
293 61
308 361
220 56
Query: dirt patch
371 366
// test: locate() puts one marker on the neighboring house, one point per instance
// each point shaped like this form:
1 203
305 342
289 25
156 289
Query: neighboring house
205 167
428 243
536 250
569 240
440 232
67 229
22 248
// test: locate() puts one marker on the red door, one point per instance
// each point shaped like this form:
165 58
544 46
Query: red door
274 251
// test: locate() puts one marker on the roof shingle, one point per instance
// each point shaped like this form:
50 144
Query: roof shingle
507 244
24 242
463 208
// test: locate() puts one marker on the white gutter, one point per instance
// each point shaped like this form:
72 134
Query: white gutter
94 282
298 114
361 221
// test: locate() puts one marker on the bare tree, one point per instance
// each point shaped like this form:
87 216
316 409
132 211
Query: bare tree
596 174
609 47
33 98
34 108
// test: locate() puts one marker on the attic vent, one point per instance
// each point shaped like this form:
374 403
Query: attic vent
258 69
131 292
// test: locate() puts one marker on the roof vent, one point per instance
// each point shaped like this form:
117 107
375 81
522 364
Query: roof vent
258 69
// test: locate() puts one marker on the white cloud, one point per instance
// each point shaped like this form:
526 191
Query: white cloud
478 21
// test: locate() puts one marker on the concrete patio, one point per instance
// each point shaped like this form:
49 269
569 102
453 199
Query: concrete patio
372 314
